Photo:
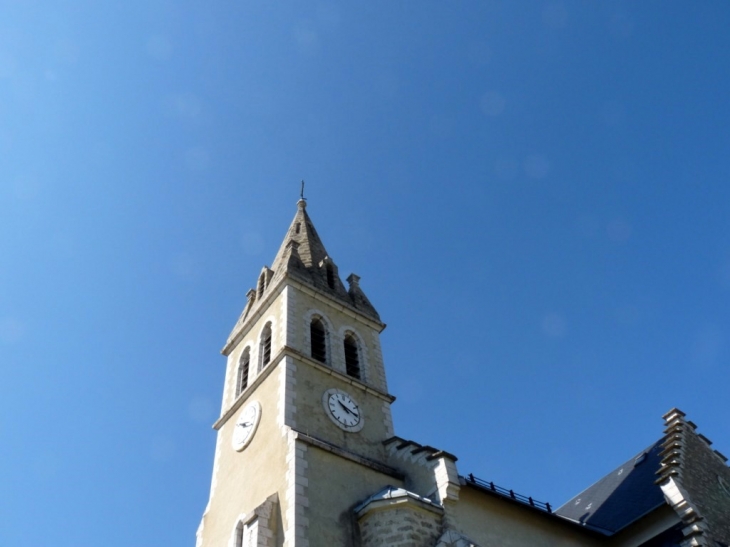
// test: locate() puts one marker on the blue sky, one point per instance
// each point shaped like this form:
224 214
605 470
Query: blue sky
534 193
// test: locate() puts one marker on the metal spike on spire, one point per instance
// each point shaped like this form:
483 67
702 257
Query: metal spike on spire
301 194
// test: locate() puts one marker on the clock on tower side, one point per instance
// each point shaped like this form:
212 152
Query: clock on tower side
305 407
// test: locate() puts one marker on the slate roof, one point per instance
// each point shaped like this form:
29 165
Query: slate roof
391 493
621 497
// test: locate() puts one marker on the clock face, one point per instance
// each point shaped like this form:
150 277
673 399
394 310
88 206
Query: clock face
246 424
343 410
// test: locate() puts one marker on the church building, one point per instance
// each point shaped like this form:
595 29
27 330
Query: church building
306 454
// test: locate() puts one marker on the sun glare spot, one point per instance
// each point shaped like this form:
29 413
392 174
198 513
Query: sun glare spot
492 103
184 105
197 158
307 40
553 325
618 230
536 166
159 47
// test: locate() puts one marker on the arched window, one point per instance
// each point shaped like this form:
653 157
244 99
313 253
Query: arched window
319 340
246 535
352 356
243 366
265 347
239 535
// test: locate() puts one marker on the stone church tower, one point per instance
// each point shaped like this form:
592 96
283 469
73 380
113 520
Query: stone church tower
305 402
306 455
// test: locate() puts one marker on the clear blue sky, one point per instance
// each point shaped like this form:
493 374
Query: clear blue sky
534 193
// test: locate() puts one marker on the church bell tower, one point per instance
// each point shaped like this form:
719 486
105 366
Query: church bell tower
306 455
305 413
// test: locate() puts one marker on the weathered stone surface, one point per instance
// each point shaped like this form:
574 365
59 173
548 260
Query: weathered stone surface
400 527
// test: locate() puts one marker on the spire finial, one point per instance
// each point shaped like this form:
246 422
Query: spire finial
302 200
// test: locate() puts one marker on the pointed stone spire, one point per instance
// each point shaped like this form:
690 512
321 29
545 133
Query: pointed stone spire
310 248
302 255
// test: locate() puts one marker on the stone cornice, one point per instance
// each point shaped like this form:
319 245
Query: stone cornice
339 375
322 296
287 351
258 311
341 452
246 393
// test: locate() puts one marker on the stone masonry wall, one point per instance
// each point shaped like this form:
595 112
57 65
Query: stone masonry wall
704 477
400 527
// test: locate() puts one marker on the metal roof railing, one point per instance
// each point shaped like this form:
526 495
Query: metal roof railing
527 500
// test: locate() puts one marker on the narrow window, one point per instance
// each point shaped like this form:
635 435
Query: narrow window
352 358
243 366
265 347
251 533
262 279
299 227
330 276
319 346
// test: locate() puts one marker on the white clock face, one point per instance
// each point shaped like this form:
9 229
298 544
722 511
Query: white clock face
246 424
343 410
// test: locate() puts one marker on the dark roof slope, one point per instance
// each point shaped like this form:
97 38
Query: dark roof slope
621 497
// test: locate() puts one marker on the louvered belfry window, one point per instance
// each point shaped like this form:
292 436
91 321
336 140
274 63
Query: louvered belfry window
319 345
262 285
330 276
243 366
265 348
352 358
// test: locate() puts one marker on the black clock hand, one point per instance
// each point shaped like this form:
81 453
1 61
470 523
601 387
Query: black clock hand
245 424
347 409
